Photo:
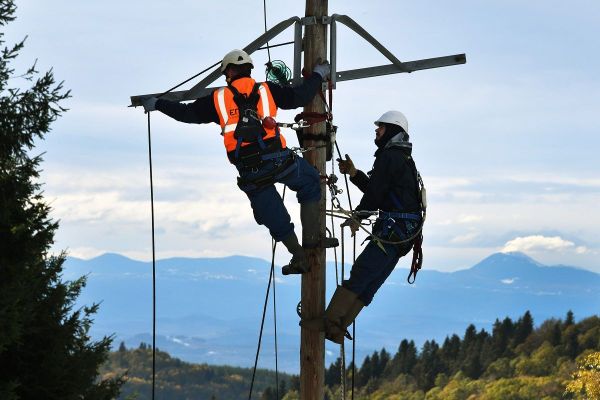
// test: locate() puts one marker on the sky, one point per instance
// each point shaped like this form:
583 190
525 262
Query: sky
507 144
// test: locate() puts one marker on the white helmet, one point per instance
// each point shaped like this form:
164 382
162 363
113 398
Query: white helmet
236 57
394 118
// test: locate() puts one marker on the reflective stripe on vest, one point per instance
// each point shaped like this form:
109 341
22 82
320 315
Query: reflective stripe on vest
228 110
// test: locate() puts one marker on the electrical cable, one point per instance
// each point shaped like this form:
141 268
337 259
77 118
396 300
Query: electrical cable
153 263
153 230
274 244
187 80
265 19
262 324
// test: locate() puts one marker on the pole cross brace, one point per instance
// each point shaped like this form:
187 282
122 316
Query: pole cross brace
396 66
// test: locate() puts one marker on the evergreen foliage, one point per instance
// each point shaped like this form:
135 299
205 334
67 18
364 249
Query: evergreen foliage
516 361
178 380
45 349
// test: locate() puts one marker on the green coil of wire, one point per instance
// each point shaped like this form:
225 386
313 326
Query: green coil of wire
278 72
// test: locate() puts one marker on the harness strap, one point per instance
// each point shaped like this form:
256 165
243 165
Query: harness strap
399 215
278 154
268 179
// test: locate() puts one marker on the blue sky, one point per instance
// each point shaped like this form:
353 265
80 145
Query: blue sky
507 144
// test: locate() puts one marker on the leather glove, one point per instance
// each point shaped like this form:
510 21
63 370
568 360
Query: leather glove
347 166
323 69
149 103
353 224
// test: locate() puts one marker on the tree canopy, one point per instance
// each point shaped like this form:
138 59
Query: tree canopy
45 348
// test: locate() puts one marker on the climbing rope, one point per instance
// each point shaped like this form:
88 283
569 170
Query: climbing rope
153 234
153 262
262 323
271 280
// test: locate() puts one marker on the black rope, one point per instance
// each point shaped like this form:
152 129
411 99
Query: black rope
353 261
262 323
153 263
275 326
265 18
267 47
189 79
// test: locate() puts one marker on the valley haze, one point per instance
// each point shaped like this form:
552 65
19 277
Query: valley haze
209 309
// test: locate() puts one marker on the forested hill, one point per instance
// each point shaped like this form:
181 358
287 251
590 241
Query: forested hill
178 380
515 361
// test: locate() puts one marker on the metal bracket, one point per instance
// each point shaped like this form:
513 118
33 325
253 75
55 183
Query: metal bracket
325 20
396 66
308 21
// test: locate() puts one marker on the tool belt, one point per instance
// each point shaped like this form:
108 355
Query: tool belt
251 156
284 162
397 225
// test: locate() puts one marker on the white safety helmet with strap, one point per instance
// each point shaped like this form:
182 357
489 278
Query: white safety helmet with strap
394 118
237 57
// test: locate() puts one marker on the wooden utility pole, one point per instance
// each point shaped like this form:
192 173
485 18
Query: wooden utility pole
312 343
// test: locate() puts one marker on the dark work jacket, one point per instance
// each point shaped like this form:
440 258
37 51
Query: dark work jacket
392 171
202 110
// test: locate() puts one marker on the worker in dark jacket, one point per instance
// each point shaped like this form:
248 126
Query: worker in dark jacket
392 189
245 110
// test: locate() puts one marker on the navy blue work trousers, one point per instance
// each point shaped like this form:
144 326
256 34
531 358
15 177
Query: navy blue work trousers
267 204
373 266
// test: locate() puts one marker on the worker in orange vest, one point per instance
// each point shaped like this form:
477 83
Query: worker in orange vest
245 110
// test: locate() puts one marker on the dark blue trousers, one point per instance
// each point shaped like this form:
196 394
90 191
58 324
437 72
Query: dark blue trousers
373 266
267 204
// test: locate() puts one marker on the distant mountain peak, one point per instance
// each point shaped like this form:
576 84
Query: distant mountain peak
508 259
110 257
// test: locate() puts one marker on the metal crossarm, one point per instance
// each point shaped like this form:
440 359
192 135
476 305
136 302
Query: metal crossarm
409 66
201 89
397 66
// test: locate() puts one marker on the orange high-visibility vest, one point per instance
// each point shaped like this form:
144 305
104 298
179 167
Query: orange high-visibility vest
229 115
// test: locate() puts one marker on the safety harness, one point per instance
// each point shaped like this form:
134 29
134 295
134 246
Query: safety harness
390 221
251 158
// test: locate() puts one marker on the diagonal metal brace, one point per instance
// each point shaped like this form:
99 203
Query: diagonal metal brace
396 67
200 89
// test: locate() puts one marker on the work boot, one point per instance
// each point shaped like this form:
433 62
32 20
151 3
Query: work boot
337 333
298 264
333 323
309 216
337 312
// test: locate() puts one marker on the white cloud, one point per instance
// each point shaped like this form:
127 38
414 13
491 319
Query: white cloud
581 250
85 253
466 238
469 219
538 242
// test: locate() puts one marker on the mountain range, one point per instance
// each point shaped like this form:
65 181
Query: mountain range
209 309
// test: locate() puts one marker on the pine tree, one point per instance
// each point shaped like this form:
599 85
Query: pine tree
523 328
332 374
449 353
384 359
428 366
45 348
570 320
404 360
365 373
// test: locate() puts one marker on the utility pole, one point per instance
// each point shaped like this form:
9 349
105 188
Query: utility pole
314 45
312 343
